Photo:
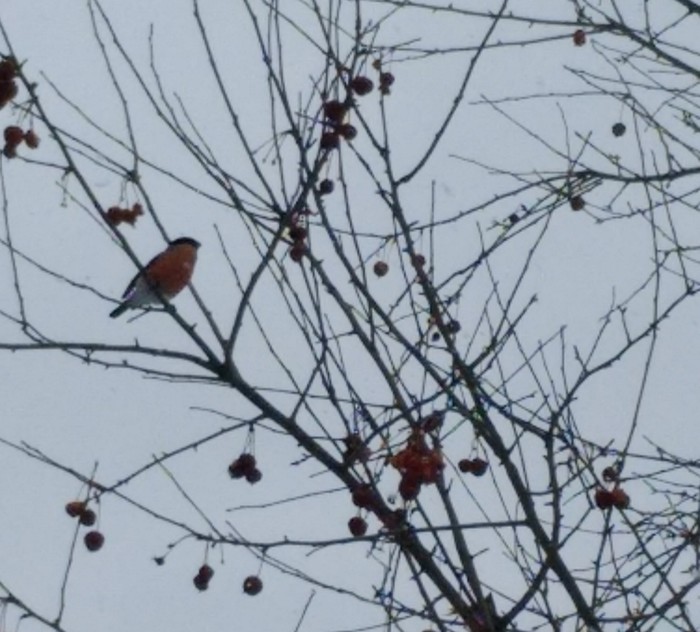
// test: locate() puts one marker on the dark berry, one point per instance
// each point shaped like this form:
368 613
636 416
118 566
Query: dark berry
94 540
334 111
87 518
330 140
577 203
361 85
381 268
619 129
357 526
325 187
75 508
252 585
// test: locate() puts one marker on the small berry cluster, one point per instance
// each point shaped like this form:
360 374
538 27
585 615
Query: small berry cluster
8 85
14 136
116 215
335 127
245 466
203 577
477 466
615 497
87 517
298 232
418 464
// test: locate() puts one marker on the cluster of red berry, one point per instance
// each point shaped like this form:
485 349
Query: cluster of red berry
298 232
14 136
477 466
334 113
252 584
203 577
116 215
8 85
87 517
418 464
615 497
245 466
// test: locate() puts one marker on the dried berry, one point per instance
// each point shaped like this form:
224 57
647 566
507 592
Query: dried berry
576 202
297 251
361 85
330 140
347 131
381 268
75 508
325 187
13 135
357 526
579 37
31 138
619 129
334 111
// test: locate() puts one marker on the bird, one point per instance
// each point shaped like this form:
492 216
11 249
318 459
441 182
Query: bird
163 277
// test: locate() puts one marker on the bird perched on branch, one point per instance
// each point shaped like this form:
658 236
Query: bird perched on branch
163 277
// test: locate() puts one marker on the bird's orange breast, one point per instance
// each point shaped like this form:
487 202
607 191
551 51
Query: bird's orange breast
172 270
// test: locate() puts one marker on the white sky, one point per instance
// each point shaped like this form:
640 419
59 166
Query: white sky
80 414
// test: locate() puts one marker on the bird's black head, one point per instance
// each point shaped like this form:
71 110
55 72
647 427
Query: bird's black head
185 241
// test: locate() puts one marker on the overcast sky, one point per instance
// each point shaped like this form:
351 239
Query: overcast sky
83 415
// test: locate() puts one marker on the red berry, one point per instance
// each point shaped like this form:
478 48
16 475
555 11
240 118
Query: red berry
8 91
619 498
330 140
603 499
347 131
381 268
252 585
75 508
254 476
297 233
88 518
206 572
479 467
94 540
576 202
579 37
31 138
13 135
363 496
361 85
244 464
8 70
417 261
334 111
200 583
410 485
465 465
386 80
357 526
325 187
297 251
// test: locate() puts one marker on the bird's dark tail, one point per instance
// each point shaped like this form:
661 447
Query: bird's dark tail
119 311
